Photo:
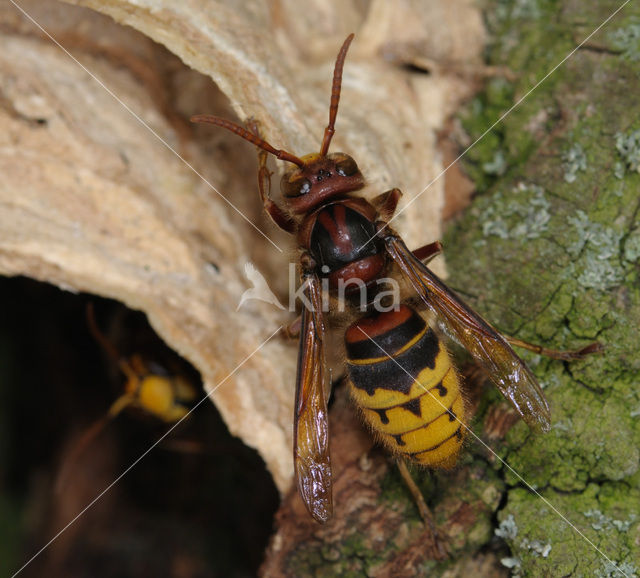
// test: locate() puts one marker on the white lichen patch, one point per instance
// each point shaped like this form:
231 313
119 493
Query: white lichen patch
527 9
508 528
632 247
497 166
627 40
596 248
513 563
598 274
601 522
521 214
573 161
628 146
615 570
537 547
593 235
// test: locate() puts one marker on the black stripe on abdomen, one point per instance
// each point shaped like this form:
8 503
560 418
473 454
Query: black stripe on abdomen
399 372
390 341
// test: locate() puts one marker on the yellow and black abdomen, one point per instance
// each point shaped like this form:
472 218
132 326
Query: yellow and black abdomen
403 379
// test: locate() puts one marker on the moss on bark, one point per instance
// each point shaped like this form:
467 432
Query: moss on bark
549 251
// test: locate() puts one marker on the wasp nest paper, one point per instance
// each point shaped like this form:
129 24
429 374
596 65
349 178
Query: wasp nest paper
106 188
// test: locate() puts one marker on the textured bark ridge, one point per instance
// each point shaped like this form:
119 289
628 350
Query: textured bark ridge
103 179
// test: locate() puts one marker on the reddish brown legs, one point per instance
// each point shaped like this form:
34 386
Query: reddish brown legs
557 353
428 252
278 216
439 548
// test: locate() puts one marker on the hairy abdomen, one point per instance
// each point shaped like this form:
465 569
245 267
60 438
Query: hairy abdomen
402 378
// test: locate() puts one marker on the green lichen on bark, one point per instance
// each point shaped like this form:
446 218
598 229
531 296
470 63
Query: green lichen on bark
600 512
554 259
